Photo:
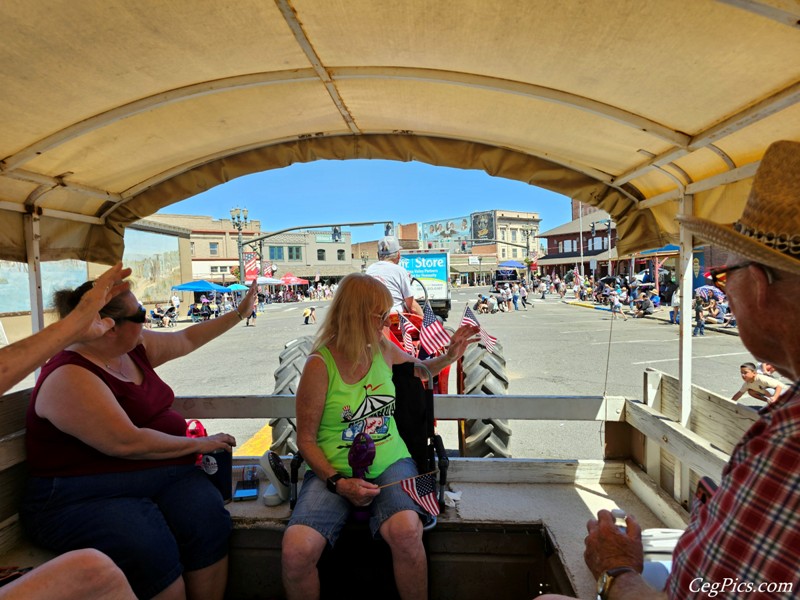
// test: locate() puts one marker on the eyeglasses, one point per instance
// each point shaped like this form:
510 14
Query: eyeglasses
140 316
384 316
719 275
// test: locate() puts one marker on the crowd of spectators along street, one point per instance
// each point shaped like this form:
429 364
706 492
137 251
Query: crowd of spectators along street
215 304
640 299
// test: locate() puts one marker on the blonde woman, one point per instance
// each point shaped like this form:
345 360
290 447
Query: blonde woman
345 389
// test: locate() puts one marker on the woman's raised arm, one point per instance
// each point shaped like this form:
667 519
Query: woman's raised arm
165 346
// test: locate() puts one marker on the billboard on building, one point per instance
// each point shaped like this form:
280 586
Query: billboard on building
445 231
154 259
483 227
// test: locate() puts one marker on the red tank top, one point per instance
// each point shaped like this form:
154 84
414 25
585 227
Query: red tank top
53 453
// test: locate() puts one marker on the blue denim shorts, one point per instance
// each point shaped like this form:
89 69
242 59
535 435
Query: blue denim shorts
154 524
327 513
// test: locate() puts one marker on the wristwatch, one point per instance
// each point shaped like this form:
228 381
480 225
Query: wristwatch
606 580
331 482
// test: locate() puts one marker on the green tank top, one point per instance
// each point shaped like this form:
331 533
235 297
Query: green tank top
366 406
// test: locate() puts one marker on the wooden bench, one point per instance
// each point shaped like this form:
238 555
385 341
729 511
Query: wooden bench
520 516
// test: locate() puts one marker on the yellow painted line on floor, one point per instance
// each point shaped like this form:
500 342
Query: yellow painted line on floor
256 445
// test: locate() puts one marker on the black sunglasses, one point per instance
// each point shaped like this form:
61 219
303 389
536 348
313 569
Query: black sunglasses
719 275
140 316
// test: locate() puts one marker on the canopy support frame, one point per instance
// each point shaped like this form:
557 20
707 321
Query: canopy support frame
32 236
685 272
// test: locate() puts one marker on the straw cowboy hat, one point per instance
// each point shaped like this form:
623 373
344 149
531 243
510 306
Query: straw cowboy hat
768 231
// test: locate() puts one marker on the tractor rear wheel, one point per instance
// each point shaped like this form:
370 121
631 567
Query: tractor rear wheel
290 366
484 373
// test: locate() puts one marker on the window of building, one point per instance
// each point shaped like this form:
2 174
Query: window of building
215 269
560 247
191 248
320 254
213 248
295 253
503 252
502 234
513 235
276 252
568 246
513 253
340 255
223 269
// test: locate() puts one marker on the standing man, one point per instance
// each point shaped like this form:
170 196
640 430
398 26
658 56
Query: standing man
397 280
748 532
176 302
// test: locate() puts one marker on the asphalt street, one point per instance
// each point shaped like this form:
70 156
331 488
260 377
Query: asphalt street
551 349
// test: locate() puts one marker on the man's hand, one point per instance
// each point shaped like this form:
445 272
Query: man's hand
86 316
607 547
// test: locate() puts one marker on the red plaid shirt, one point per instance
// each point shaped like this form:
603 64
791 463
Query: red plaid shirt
748 534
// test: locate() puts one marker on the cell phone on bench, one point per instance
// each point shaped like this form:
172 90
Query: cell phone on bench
706 488
246 490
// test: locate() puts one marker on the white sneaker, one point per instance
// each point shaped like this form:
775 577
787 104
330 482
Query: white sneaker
277 474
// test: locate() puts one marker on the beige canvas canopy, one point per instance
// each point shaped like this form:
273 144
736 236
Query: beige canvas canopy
111 110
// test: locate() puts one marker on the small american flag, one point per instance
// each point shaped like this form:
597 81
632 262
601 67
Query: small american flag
469 318
407 328
432 336
422 490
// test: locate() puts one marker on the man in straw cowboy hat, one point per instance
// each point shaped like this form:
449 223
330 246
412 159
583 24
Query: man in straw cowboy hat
743 541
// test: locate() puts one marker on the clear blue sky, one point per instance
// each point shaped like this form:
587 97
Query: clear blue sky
371 190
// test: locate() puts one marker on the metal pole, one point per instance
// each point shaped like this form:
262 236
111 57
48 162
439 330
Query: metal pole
610 270
241 253
580 218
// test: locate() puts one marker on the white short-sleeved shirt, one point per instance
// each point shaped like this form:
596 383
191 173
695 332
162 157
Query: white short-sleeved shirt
397 281
763 384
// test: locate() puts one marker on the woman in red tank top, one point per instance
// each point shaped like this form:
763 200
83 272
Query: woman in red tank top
111 466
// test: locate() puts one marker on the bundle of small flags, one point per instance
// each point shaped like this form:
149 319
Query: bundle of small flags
407 328
469 318
432 336
422 490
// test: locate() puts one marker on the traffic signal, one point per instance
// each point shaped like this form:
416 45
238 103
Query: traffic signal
463 246
430 245
592 229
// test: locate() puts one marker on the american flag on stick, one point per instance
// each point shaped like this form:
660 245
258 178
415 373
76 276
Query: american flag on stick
422 490
432 336
469 318
407 328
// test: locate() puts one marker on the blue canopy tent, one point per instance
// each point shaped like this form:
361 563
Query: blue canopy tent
511 264
237 287
199 286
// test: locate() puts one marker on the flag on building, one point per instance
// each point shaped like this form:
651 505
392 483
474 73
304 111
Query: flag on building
407 328
469 318
422 490
432 336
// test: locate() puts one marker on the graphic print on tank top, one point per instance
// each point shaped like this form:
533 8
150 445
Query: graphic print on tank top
372 416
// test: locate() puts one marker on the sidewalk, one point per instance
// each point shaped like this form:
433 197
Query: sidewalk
660 314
